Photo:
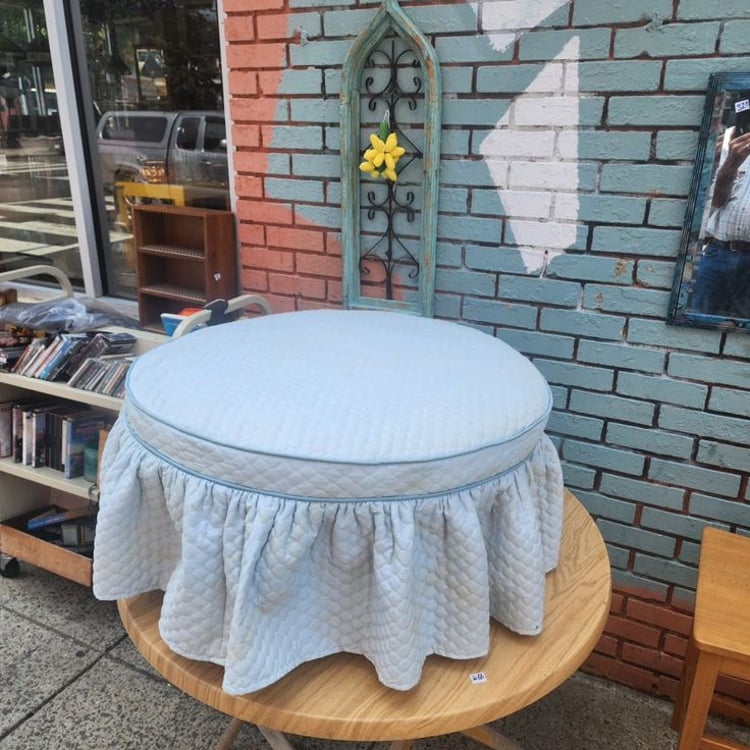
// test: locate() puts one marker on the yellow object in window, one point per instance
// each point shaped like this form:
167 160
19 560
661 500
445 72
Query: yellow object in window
384 152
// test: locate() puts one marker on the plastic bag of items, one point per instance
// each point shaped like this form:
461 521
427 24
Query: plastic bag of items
68 314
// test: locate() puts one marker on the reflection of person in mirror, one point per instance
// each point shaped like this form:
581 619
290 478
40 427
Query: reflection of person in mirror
722 281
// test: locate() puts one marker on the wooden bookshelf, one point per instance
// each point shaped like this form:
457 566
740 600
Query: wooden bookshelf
185 257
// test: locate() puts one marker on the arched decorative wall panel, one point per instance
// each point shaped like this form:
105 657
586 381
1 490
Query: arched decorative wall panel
391 89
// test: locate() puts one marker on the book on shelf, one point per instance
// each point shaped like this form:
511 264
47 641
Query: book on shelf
29 412
117 386
100 344
38 436
54 515
45 433
17 427
13 342
9 355
54 432
18 364
68 344
104 374
33 350
48 440
60 356
34 427
6 429
26 435
113 379
85 374
33 369
78 432
78 532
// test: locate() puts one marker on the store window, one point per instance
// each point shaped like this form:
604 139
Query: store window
148 112
36 213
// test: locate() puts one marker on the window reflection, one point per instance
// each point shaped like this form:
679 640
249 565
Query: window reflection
153 70
155 75
36 212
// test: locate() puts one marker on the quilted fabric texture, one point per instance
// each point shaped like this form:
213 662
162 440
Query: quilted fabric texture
309 483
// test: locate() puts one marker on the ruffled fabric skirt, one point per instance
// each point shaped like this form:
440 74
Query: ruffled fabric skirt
261 583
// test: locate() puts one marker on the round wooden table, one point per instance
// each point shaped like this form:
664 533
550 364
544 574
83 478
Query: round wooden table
339 697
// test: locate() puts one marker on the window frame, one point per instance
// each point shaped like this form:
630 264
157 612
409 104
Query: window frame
67 51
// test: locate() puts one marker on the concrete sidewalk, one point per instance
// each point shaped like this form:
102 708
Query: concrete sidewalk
70 678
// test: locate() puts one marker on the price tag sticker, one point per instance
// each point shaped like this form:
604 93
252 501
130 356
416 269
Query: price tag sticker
477 678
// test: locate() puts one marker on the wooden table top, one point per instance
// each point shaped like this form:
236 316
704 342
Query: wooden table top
339 697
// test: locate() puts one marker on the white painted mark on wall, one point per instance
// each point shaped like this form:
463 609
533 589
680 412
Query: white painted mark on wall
532 155
502 19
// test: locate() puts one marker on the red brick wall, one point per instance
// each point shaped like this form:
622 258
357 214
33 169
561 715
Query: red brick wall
643 647
293 263
643 644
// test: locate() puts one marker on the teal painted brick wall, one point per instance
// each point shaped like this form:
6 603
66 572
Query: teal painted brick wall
298 138
574 425
467 49
582 323
668 40
567 155
642 492
698 10
664 390
622 357
605 405
545 45
609 508
730 401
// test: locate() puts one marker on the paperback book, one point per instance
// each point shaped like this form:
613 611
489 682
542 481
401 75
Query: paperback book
68 344
101 343
6 429
78 432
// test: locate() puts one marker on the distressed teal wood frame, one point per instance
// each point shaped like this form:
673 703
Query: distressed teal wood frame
388 17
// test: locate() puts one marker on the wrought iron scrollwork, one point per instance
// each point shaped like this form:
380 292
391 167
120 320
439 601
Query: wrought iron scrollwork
378 79
388 250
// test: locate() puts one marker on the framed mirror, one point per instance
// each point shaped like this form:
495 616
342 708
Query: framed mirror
712 278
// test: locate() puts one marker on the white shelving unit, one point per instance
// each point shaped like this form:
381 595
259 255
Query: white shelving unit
24 490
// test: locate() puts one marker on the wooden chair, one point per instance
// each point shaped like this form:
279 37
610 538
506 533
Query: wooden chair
720 639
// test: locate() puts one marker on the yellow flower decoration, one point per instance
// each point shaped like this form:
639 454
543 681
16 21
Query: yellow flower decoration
383 155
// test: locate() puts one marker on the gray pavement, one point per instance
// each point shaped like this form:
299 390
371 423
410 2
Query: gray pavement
70 678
